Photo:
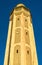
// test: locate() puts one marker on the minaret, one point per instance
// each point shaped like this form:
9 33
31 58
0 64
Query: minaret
20 45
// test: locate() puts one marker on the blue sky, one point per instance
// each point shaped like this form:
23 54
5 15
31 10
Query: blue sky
6 7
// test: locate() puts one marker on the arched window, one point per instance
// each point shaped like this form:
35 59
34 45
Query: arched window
17 55
18 22
28 56
26 22
27 37
17 35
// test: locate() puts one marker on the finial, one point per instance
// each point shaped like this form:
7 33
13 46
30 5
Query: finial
20 5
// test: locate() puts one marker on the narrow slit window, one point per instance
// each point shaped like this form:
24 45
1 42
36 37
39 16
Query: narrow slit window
17 51
27 51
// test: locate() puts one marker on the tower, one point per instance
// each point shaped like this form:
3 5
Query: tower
20 45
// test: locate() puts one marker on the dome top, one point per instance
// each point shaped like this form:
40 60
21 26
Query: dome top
20 5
